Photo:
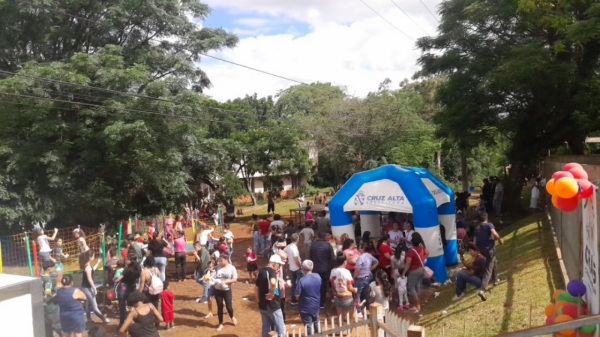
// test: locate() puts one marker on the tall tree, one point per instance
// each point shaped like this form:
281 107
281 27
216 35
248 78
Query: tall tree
524 69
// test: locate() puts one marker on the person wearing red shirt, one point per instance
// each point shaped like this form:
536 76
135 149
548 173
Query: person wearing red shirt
385 255
167 305
414 270
264 226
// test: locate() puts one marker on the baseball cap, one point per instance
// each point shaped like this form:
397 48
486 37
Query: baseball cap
276 259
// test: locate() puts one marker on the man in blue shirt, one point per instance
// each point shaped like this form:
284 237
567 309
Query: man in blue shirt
308 292
321 253
485 241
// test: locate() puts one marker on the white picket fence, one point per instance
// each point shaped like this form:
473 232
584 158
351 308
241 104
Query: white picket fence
373 323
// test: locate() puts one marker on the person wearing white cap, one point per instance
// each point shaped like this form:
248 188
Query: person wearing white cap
268 292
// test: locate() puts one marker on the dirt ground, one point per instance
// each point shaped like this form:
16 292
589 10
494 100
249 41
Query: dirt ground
189 315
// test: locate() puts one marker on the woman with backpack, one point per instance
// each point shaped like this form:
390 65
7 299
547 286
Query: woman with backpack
150 282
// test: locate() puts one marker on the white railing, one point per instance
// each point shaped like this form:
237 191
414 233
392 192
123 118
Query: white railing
373 323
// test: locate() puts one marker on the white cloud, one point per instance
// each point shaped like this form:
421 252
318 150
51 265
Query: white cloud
348 45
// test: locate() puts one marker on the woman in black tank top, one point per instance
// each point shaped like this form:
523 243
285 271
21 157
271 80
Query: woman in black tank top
88 287
141 322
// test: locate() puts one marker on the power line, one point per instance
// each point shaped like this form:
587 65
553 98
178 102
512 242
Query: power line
149 112
122 93
410 18
429 10
215 57
386 20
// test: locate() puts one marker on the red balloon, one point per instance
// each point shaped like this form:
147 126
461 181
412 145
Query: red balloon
572 310
586 188
567 205
561 174
549 320
570 166
578 173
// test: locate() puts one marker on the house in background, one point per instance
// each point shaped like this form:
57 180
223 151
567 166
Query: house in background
262 183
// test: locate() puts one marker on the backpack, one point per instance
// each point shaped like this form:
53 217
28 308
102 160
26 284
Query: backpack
156 285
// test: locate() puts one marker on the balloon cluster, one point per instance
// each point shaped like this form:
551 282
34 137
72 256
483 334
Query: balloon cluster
567 306
568 185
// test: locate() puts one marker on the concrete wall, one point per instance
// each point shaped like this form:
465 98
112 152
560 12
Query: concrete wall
568 225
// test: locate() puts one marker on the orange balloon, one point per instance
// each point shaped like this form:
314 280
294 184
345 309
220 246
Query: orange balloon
556 293
549 310
566 188
562 319
559 305
555 202
550 186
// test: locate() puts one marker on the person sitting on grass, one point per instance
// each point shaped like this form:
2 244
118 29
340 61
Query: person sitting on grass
472 273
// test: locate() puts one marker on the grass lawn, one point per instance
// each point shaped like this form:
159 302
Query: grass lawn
529 270
281 207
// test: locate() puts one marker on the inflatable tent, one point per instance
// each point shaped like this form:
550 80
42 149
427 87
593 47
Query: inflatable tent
393 188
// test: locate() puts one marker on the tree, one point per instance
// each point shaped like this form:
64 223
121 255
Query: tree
155 33
523 69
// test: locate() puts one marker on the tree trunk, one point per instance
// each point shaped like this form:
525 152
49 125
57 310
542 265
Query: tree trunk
438 160
464 172
513 186
248 185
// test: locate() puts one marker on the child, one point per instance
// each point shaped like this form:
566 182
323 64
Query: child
51 309
44 250
119 272
208 281
80 237
228 235
251 265
402 294
167 300
381 289
222 247
59 255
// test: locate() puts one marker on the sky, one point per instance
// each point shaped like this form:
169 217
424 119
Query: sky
338 41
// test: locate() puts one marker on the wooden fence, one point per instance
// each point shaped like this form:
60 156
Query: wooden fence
373 323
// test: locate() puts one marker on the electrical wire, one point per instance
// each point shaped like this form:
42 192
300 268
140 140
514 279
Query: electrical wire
156 113
410 18
388 21
429 10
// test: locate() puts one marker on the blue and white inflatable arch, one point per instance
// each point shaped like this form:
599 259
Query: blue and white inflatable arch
392 188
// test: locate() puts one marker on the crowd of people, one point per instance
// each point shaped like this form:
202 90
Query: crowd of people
306 267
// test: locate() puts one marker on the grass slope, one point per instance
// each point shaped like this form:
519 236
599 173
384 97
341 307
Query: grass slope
529 269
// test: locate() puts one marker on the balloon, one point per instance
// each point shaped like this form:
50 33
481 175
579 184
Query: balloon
471 188
562 319
572 310
550 186
588 329
578 173
586 188
581 334
549 320
561 174
556 293
566 297
571 166
576 288
555 201
567 205
566 187
550 310
558 306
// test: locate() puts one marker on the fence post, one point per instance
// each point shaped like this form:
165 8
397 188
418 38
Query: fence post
35 258
26 238
0 257
120 239
376 315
